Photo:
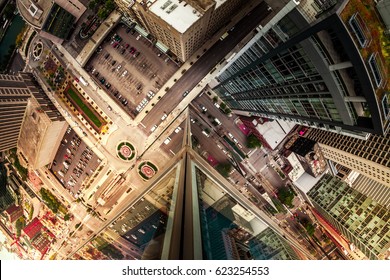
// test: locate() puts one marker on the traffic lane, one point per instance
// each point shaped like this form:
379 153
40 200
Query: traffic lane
208 144
270 174
258 159
175 143
227 122
207 61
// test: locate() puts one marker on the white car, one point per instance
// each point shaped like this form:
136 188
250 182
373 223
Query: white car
166 142
164 117
177 129
153 128
230 135
124 73
235 140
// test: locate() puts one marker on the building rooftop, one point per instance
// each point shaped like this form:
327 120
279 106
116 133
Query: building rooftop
59 22
41 243
274 131
219 3
297 170
14 212
306 182
34 12
179 15
33 228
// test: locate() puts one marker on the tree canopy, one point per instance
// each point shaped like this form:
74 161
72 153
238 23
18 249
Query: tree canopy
253 142
224 169
286 196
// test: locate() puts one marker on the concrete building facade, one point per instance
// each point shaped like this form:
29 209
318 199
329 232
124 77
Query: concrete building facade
42 129
370 157
182 26
14 95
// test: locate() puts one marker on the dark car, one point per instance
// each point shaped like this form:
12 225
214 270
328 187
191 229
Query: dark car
185 93
113 63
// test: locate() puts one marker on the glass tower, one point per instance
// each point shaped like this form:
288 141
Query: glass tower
311 71
189 212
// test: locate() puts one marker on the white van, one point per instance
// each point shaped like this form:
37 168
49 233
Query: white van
83 81
205 133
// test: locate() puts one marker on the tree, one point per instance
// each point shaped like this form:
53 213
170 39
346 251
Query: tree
67 217
310 229
286 196
224 169
92 4
20 224
215 99
253 142
227 111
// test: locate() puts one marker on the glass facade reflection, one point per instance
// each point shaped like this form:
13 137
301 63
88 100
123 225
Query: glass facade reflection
188 213
231 232
138 232
302 71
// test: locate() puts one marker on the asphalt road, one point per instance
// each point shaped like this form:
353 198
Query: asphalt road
17 63
228 125
204 64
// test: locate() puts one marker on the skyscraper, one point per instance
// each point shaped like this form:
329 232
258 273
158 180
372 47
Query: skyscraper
14 95
320 65
360 219
42 129
182 26
189 211
370 157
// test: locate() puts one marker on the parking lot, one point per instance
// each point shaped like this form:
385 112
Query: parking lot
128 67
74 162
